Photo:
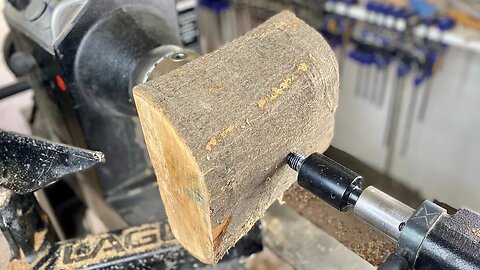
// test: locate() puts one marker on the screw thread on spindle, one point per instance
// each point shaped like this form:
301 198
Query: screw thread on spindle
295 161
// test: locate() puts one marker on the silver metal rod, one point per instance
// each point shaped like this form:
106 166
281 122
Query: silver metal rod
407 131
366 86
394 109
374 81
379 88
425 98
341 61
359 80
393 122
384 213
383 86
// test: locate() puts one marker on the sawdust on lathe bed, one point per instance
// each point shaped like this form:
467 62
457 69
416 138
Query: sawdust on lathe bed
348 230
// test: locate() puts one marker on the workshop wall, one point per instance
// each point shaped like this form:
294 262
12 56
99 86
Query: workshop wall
440 158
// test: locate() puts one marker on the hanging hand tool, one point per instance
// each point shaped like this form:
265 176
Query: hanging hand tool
374 80
381 42
366 64
359 56
384 63
372 8
396 16
369 75
355 56
432 59
344 26
348 21
418 81
394 112
368 36
381 64
390 18
395 98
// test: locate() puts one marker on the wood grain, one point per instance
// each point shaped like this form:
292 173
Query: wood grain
218 129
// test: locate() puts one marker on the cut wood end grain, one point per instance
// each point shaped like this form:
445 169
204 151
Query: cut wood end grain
182 186
217 129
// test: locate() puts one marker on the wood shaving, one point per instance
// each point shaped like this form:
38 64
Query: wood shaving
247 121
211 142
476 232
19 265
227 131
303 67
38 239
208 171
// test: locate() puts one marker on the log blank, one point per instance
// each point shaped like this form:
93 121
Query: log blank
218 129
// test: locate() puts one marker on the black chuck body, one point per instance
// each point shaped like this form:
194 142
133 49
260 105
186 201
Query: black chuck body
327 179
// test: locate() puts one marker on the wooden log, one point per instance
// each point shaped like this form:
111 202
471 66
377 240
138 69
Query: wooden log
218 129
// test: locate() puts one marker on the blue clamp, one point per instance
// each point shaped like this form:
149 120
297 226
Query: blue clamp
380 61
432 56
380 8
350 2
419 80
325 22
364 33
353 55
403 70
397 12
361 57
445 23
216 5
385 41
336 41
342 25
427 20
369 6
406 13
366 59
422 77
388 9
374 6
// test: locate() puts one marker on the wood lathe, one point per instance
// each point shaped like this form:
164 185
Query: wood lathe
219 130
